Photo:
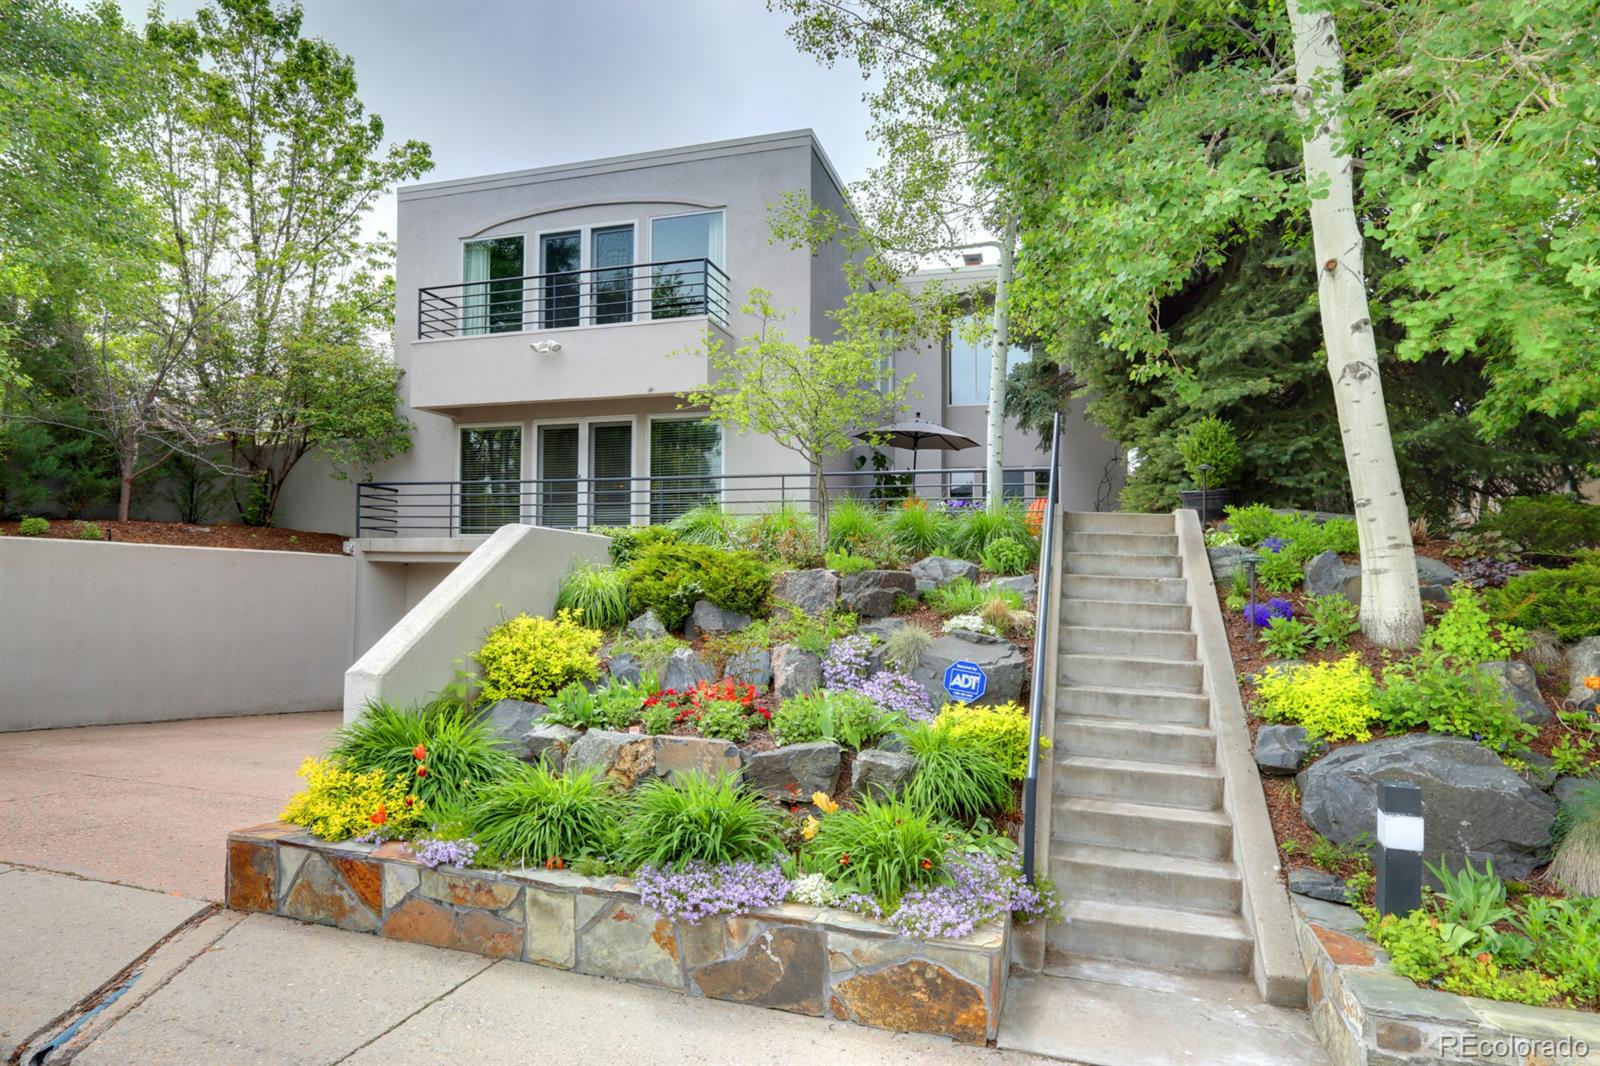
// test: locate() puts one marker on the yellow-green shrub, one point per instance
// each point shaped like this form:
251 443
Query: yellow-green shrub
1002 729
528 658
1332 700
339 803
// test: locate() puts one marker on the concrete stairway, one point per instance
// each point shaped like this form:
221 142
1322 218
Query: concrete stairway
1141 847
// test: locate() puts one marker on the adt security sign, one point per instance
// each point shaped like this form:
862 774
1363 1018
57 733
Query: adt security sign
965 681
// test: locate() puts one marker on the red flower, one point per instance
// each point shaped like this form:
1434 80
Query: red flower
419 753
765 713
844 860
410 800
379 816
422 771
927 864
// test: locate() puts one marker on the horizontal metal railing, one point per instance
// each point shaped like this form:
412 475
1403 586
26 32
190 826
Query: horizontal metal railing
634 292
465 508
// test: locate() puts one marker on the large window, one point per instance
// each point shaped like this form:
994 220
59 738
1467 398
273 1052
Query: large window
611 259
558 476
491 472
967 364
682 245
685 460
610 474
559 255
491 302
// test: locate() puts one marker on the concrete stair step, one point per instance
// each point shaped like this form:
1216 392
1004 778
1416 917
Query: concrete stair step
1152 742
1138 781
1169 590
1165 675
1165 544
1123 565
1138 877
1131 704
1125 614
1118 522
1142 827
1154 936
1141 643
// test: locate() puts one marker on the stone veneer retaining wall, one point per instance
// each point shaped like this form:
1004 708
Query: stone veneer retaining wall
1368 1015
810 960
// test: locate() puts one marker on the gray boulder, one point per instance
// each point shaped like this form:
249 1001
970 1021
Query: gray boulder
881 773
1540 771
1327 573
707 619
548 744
1002 662
624 667
1473 804
813 591
752 667
1583 661
1318 884
1225 559
626 758
892 742
1024 585
883 627
1282 749
510 719
675 756
936 571
871 593
1517 680
647 626
1569 789
795 671
684 670
791 774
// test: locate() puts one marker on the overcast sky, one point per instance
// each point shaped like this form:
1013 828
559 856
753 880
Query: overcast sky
495 85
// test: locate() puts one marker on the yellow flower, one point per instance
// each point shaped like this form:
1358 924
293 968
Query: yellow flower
824 802
808 828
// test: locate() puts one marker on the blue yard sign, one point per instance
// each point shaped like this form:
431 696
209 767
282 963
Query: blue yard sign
965 681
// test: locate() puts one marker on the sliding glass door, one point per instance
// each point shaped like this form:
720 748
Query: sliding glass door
611 474
491 472
559 262
558 476
611 259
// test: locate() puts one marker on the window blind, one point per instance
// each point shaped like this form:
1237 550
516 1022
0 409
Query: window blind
685 458
491 469
558 476
610 468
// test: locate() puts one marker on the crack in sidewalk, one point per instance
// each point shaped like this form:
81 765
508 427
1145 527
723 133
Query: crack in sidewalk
436 999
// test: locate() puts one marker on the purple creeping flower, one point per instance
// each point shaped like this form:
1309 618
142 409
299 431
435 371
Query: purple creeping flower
981 887
847 662
864 905
436 853
699 891
894 691
1273 544
1264 613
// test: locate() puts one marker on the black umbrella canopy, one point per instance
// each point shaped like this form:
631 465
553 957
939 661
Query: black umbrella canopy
916 433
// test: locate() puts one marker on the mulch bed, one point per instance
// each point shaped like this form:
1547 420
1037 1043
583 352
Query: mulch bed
185 535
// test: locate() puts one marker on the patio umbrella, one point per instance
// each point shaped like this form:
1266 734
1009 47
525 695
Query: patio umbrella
915 433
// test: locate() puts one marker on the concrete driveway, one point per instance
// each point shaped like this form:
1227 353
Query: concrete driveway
112 950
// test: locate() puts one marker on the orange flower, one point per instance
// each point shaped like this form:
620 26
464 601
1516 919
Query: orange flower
419 753
422 771
1592 683
555 862
1484 958
927 864
844 860
379 816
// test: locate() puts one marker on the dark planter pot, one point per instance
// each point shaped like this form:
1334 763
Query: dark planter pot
1209 503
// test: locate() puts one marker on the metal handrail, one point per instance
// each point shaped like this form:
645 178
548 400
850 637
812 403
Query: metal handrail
1041 629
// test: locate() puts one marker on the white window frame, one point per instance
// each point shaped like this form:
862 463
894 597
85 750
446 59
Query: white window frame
585 233
585 466
461 265
649 454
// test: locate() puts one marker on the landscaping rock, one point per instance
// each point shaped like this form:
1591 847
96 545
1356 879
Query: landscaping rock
813 591
707 619
1474 805
676 756
627 758
548 743
871 593
753 667
791 774
647 626
1318 884
1540 772
1583 661
1327 573
795 671
883 627
1517 680
1024 585
1225 559
1569 789
1001 661
625 667
509 719
1282 749
684 670
936 572
880 772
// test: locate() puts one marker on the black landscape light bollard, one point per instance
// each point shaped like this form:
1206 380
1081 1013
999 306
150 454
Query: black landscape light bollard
1399 864
1250 560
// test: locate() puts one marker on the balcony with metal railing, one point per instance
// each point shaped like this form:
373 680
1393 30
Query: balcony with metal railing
571 335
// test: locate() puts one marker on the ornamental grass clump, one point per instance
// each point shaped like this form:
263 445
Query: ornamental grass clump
918 530
1577 858
1333 700
700 890
669 825
962 596
596 595
440 748
880 849
527 658
955 778
974 530
339 803
904 647
531 816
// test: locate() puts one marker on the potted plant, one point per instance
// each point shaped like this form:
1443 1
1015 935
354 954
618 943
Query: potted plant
1210 454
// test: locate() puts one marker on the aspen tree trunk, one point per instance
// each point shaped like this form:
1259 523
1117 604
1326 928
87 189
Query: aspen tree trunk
994 479
1391 607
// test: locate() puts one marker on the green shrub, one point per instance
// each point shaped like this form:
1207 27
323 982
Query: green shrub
973 531
880 848
904 646
460 754
855 527
1460 701
1286 638
526 658
849 719
669 578
659 718
918 530
955 778
1253 523
1279 571
707 525
1464 633
1334 620
90 531
530 815
1002 728
1547 525
813 633
1008 556
1209 441
597 595
963 596
340 802
1305 536
845 563
723 720
614 705
1332 700
788 534
697 819
628 542
33 527
1565 602
1565 935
